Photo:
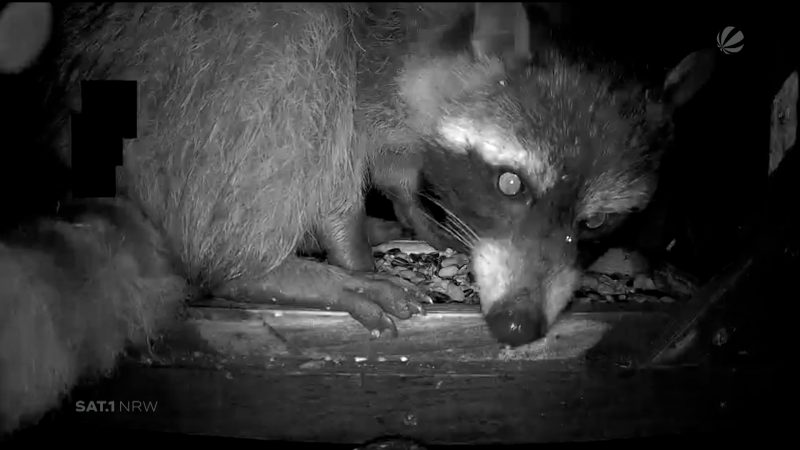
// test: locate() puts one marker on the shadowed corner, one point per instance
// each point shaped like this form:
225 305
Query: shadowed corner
568 338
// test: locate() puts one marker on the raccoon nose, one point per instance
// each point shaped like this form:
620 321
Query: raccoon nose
516 321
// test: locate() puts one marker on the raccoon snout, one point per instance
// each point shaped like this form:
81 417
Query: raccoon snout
516 320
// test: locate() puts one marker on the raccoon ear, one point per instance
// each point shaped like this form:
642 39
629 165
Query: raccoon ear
502 30
688 77
24 31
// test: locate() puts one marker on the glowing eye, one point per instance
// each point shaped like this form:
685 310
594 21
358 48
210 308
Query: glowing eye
595 221
509 184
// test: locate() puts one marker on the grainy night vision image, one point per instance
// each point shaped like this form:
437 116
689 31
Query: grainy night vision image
395 225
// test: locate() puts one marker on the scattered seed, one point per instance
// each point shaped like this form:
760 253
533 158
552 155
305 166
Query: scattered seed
407 274
455 293
643 283
448 272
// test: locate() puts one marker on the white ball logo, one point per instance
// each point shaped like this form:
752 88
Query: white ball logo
729 40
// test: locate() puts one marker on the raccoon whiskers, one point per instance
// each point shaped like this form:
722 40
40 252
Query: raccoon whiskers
453 226
456 227
466 231
448 225
469 242
449 230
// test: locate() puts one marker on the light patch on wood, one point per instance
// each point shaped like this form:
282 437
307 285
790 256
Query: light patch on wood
456 333
783 122
498 148
240 337
569 338
620 261
405 246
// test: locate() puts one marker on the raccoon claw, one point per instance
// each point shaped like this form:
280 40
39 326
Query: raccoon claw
417 308
419 297
387 329
376 298
395 295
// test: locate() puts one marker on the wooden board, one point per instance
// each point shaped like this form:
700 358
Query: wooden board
255 334
551 402
277 374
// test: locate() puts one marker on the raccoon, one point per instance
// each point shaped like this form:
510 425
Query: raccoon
260 126
516 163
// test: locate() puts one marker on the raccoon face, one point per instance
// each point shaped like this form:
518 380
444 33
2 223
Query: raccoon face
522 163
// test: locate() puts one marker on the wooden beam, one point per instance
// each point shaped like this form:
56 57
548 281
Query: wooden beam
256 334
276 374
434 403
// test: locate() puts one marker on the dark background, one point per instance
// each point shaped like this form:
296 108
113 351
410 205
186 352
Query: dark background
713 184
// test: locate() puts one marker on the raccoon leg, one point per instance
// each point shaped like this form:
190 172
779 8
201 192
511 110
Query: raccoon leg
395 174
402 210
409 213
344 237
424 227
368 297
347 282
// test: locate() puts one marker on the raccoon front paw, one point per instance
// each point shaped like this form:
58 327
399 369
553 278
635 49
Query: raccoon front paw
374 297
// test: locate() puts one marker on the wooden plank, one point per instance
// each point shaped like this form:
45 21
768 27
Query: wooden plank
692 313
280 374
252 371
259 372
553 401
258 334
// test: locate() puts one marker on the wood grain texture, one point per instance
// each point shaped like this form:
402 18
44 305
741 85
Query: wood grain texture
449 333
553 401
253 372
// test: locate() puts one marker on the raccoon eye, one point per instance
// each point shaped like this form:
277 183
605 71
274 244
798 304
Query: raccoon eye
509 184
595 221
